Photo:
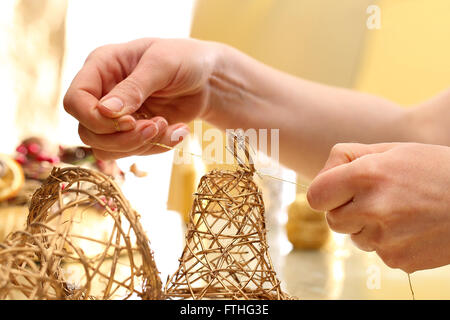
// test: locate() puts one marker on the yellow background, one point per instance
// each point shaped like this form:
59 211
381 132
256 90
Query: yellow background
408 59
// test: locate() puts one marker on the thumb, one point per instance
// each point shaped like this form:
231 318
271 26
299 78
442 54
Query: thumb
129 94
334 185
343 153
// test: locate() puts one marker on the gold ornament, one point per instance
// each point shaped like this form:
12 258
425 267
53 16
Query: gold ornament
306 228
226 254
48 260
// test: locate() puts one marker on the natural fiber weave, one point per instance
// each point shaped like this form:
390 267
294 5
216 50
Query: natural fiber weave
226 254
31 261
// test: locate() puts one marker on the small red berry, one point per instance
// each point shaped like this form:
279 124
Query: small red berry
22 149
41 157
34 148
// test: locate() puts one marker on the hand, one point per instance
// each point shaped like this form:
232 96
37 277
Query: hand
392 198
129 95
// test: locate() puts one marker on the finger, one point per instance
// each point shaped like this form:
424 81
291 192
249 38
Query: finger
169 139
343 153
81 102
128 141
343 175
165 141
346 219
365 239
175 109
152 73
332 189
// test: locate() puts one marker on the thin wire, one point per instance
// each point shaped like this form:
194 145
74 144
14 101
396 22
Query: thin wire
410 287
301 186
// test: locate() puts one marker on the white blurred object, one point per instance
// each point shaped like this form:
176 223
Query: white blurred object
93 23
148 196
32 38
9 98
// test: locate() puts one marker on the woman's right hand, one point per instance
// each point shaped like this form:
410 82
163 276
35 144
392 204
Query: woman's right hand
128 96
392 198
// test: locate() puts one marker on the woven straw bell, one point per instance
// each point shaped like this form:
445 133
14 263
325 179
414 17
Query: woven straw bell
226 254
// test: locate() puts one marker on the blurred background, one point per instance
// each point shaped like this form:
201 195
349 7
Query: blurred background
405 58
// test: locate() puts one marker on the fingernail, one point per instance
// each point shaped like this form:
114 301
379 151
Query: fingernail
149 132
114 104
127 124
179 134
161 123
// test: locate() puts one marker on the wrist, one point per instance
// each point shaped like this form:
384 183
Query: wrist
229 93
218 85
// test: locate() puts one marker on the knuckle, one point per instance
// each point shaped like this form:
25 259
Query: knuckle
361 242
333 221
132 89
377 236
368 169
373 213
383 216
386 220
83 136
98 52
391 258
67 102
338 151
344 148
338 148
342 153
94 53
102 155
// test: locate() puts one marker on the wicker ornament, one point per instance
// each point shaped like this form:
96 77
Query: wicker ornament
48 260
306 228
226 254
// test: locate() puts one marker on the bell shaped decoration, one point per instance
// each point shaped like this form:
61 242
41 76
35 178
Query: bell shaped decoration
226 253
53 258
